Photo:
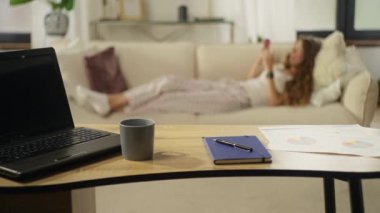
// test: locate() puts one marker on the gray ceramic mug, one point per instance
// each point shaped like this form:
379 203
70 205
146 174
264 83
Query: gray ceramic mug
136 138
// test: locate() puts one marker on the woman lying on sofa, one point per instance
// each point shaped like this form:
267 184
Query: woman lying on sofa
290 85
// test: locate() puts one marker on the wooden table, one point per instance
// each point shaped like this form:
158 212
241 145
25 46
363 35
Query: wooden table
180 153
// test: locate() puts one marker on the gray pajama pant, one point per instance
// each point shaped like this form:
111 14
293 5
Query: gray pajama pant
173 94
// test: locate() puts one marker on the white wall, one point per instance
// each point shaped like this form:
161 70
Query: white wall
39 10
275 20
14 19
86 12
232 11
315 15
167 10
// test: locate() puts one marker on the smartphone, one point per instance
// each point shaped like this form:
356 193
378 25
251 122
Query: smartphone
266 43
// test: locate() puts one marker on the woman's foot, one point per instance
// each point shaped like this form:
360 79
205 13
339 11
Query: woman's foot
95 101
117 101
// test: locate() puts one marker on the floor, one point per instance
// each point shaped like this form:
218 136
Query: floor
238 195
235 195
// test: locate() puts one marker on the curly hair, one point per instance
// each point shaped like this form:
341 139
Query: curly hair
298 90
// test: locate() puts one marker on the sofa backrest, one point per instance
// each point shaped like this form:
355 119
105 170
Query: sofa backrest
72 66
140 62
232 61
143 62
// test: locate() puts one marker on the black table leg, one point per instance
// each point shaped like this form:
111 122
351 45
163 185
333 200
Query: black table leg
329 189
356 196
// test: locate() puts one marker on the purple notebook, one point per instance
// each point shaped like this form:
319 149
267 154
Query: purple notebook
225 154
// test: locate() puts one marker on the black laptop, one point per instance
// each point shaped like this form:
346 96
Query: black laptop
36 127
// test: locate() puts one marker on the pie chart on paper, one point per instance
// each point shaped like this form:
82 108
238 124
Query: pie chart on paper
357 144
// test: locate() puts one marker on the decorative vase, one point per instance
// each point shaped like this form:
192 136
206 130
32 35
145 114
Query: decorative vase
182 13
56 23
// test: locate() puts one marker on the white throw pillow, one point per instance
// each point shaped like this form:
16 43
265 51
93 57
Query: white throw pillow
353 60
328 94
332 92
330 61
354 65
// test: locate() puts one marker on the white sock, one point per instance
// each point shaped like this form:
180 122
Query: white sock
95 101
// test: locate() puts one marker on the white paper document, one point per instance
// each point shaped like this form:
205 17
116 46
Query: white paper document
338 139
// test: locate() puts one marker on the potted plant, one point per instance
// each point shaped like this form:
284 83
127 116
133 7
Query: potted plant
56 22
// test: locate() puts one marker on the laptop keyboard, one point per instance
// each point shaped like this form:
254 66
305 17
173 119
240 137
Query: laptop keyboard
49 143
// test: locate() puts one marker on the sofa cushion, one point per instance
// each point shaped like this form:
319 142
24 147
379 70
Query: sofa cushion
84 116
232 61
334 113
143 62
354 65
337 114
103 72
354 62
360 97
330 62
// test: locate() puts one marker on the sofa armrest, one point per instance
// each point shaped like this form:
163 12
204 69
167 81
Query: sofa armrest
360 97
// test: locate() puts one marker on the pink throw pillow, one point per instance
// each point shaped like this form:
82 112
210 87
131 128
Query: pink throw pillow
104 73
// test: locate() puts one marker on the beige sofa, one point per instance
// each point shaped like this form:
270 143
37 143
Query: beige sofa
142 62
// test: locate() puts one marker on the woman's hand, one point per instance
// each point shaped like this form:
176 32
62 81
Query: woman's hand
267 59
255 69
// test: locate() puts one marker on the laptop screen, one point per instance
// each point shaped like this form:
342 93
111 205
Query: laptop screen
33 99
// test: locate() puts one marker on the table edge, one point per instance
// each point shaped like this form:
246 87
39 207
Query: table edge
189 175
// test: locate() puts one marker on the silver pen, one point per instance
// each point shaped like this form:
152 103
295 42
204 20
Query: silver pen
228 143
